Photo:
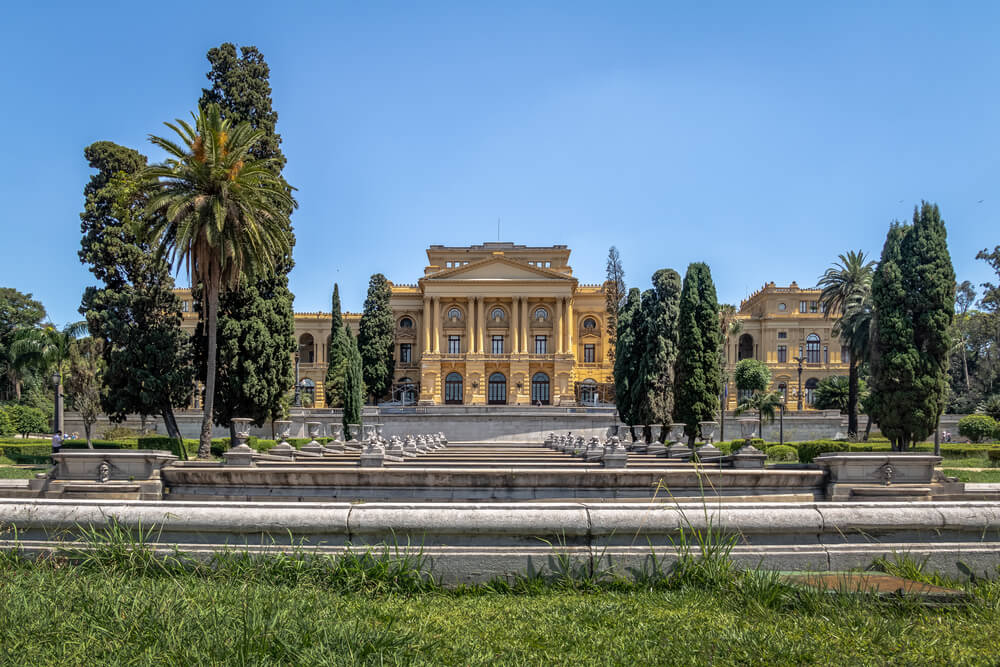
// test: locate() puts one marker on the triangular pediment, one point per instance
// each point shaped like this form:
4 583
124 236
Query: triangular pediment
497 268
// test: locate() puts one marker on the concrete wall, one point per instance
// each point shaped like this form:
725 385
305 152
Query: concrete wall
507 424
478 542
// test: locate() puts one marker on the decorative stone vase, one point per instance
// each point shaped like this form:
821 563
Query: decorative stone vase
748 428
336 431
676 433
354 432
282 429
315 429
241 426
240 454
708 430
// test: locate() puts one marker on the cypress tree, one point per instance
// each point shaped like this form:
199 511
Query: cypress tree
354 385
697 372
256 321
135 313
375 337
624 369
653 391
336 369
614 296
913 300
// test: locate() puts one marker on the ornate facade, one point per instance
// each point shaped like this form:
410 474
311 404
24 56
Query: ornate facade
786 328
491 324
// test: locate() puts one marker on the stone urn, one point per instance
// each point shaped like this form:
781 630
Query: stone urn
677 448
354 432
748 429
708 430
282 429
336 431
240 454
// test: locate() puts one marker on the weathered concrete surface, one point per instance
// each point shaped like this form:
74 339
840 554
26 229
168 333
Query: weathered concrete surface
317 482
476 542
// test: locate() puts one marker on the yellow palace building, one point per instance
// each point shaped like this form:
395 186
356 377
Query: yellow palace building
490 324
506 324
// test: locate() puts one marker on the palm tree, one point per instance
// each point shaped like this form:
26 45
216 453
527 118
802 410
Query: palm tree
220 211
848 282
47 350
764 403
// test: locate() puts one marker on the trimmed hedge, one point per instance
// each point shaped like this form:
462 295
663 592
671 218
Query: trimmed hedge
978 427
782 453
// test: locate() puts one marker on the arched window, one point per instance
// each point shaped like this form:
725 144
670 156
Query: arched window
406 323
541 314
540 389
497 314
811 385
453 389
588 392
590 324
783 390
454 314
307 349
497 389
307 392
745 350
812 349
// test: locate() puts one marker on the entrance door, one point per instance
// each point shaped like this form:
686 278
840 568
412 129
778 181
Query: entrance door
453 389
540 389
498 389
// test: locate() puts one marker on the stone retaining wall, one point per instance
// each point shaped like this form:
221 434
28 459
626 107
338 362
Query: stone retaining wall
477 542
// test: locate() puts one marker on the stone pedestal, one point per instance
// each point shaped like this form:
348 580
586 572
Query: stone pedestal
616 458
879 475
749 457
372 456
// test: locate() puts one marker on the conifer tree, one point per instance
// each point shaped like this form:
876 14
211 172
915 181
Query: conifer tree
375 337
697 374
134 313
653 391
614 295
625 370
354 385
336 368
913 301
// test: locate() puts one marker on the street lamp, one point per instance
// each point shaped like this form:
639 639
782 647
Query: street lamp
800 361
298 388
57 418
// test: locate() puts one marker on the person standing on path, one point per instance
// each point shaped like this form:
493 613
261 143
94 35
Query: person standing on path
56 443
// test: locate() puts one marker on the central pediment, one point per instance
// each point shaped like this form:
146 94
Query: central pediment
498 269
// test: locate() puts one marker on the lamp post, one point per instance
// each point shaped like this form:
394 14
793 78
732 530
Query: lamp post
57 421
799 361
298 388
781 423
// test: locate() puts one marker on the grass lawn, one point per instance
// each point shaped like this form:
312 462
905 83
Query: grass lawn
28 472
973 475
966 462
132 609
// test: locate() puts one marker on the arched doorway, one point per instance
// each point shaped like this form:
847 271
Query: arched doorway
540 389
406 391
811 385
497 390
307 393
588 392
307 349
745 350
453 389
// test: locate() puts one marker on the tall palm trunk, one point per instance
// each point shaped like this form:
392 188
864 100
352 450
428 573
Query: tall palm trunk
852 399
212 301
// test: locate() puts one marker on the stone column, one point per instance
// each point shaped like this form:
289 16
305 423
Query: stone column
525 344
569 326
560 332
427 347
436 324
481 324
515 338
470 306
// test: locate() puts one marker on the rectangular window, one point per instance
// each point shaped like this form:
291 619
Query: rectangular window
802 306
782 334
404 353
826 354
588 353
782 354
540 344
454 344
845 354
813 306
498 345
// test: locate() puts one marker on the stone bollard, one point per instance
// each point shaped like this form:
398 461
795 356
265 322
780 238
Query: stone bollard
444 440
394 452
617 457
549 439
372 456
410 447
282 450
677 449
594 451
240 454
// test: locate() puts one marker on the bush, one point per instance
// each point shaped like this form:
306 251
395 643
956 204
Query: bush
977 427
994 456
752 375
813 448
175 446
782 453
41 453
25 419
6 426
81 443
117 432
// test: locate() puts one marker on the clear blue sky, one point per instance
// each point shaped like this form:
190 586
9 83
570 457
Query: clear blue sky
762 138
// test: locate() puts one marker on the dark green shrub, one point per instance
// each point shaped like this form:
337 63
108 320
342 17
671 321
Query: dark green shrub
811 449
782 453
118 432
6 426
81 443
994 456
977 427
177 447
25 419
40 453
